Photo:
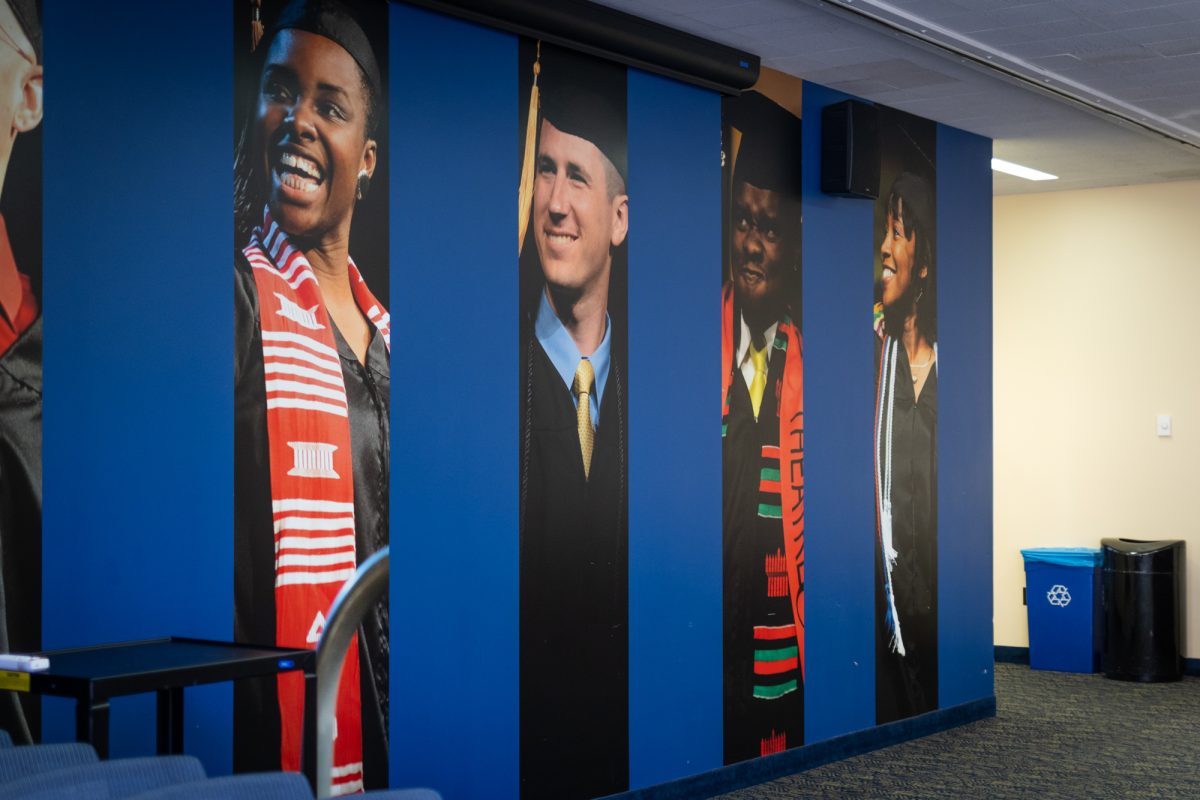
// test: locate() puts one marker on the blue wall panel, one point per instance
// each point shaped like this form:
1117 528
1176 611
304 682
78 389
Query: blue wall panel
839 529
674 430
138 395
454 601
138 359
965 650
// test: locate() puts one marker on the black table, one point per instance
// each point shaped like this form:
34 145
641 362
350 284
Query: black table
93 675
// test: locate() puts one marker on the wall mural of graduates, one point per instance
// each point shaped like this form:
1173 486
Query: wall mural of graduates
574 561
312 402
312 374
20 350
906 387
762 424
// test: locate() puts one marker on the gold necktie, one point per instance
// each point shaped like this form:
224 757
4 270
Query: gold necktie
583 413
759 384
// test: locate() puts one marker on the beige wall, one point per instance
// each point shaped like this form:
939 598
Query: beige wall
1097 331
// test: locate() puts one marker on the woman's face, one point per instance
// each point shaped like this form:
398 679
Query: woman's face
898 256
311 134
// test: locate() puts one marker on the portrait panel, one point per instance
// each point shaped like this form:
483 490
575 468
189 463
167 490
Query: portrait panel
21 97
906 379
762 423
574 213
312 369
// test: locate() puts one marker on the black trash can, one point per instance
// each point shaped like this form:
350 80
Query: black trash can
1142 591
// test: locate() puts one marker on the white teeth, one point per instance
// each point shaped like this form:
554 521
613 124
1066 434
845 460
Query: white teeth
561 237
297 182
305 165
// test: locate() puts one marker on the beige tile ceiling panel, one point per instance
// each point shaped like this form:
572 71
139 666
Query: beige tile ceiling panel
1138 57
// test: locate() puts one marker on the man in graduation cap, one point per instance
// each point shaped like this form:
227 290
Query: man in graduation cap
20 374
573 554
763 440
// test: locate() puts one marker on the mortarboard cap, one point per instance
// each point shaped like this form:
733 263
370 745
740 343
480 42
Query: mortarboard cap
769 155
336 22
585 97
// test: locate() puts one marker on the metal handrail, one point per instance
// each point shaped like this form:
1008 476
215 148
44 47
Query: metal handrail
350 607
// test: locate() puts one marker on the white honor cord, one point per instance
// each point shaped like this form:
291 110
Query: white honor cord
887 465
891 348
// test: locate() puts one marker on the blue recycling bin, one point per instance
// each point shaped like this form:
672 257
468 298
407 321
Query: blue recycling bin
1062 591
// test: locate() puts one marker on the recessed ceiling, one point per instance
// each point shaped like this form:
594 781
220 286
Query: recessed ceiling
1098 92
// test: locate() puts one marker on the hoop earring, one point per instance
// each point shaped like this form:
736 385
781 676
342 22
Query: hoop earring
364 185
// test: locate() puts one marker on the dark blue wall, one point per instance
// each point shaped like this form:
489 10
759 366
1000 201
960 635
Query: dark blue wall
454 600
138 359
674 430
839 388
965 646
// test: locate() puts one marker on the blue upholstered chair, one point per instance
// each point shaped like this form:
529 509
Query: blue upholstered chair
105 780
266 786
5 739
33 759
254 786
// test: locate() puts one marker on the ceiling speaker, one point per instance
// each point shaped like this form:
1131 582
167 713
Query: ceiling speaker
850 149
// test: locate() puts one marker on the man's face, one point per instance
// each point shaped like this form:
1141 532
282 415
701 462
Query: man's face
20 84
761 252
575 224
898 256
311 131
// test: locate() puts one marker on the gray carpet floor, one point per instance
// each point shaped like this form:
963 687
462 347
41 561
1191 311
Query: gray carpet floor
1056 735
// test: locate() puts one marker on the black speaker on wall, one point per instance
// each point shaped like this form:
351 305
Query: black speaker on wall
850 149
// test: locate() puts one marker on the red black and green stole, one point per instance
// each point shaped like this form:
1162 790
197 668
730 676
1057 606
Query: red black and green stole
781 482
312 478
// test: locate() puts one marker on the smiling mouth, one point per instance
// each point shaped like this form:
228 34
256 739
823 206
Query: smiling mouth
298 172
751 275
560 238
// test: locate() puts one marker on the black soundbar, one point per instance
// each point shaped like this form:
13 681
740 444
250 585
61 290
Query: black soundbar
615 35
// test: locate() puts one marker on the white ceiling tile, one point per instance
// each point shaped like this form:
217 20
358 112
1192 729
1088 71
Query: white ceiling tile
1133 19
1143 52
751 12
1163 33
1177 47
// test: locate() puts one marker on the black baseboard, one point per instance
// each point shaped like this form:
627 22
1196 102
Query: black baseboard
1011 655
1020 655
768 768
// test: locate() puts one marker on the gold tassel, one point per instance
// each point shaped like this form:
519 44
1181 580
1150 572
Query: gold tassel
525 191
735 145
256 25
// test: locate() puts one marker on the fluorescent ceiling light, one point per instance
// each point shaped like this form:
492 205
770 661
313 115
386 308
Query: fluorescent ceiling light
1028 173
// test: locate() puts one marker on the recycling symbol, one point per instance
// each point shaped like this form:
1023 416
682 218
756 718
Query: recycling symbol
1058 595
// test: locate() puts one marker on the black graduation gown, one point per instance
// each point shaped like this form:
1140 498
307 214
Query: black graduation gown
748 540
908 685
256 707
21 517
574 579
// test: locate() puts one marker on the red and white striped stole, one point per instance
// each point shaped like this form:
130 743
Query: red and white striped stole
312 477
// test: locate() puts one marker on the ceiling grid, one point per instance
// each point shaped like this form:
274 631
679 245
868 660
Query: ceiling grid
1138 58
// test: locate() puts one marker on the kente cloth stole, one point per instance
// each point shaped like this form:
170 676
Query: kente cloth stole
788 478
312 478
